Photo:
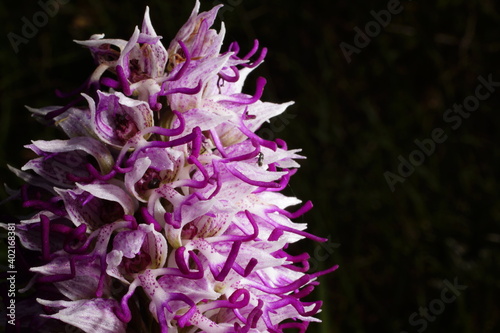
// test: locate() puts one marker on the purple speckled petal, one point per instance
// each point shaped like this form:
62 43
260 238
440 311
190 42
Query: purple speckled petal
90 315
97 204
63 157
209 115
101 48
155 63
201 41
136 250
112 193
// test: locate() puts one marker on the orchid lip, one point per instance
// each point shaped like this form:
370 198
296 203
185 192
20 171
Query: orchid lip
184 90
150 219
109 82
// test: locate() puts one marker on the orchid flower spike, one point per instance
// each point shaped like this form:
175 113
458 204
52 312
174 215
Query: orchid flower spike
162 211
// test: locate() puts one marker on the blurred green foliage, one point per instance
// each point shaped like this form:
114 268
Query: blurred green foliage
352 120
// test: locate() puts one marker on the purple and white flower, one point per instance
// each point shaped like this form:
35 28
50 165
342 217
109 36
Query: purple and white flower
162 210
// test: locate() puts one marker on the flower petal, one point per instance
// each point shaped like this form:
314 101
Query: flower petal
92 316
64 157
118 118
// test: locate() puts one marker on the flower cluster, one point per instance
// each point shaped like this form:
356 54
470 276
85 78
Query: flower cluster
162 210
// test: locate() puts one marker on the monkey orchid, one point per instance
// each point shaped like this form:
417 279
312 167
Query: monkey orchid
162 210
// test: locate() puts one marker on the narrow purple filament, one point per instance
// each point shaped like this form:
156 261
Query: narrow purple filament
247 156
42 205
302 210
251 135
203 170
164 144
250 181
77 234
235 248
149 219
97 175
184 90
259 60
228 78
100 284
171 221
123 311
259 89
180 261
234 47
183 319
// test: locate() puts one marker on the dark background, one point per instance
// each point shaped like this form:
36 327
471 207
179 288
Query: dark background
353 120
